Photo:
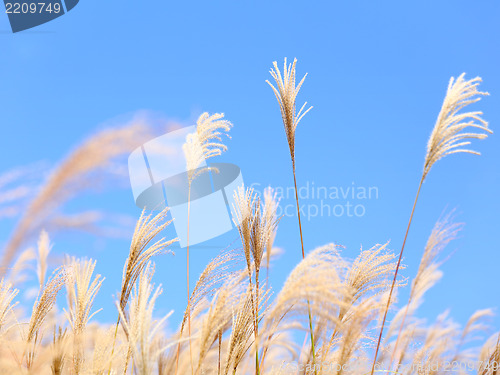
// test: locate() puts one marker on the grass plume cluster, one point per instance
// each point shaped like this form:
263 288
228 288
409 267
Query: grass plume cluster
234 321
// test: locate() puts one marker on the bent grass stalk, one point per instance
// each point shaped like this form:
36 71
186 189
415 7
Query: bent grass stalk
395 276
442 233
146 229
447 137
347 291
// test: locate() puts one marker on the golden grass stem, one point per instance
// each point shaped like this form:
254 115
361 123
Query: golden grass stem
257 367
399 332
177 355
255 307
311 329
298 211
187 271
396 274
219 336
127 359
114 343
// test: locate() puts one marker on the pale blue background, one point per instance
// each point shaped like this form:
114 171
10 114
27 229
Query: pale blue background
377 76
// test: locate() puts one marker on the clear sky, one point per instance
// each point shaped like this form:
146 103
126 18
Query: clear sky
378 72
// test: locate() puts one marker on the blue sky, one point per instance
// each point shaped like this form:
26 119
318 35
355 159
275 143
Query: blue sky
377 77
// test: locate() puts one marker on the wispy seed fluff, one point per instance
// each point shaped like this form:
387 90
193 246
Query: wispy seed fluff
256 223
286 93
206 142
447 136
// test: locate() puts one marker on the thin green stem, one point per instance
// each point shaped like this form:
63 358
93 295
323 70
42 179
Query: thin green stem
396 274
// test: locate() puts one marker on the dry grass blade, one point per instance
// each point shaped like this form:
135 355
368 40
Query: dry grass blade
16 187
319 278
245 202
7 295
315 285
218 318
489 358
428 273
256 224
475 324
41 308
369 271
241 331
102 356
365 279
22 267
442 234
435 348
46 301
147 228
140 327
354 332
448 137
214 274
58 351
264 228
141 251
70 177
81 291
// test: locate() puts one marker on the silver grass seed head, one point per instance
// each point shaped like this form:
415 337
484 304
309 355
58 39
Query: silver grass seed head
257 222
449 135
205 143
286 94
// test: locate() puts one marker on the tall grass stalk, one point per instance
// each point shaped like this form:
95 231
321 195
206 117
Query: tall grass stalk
257 226
146 229
395 276
443 232
228 315
187 267
201 145
311 329
447 137
286 94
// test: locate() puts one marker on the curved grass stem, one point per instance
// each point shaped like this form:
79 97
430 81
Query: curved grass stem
395 275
